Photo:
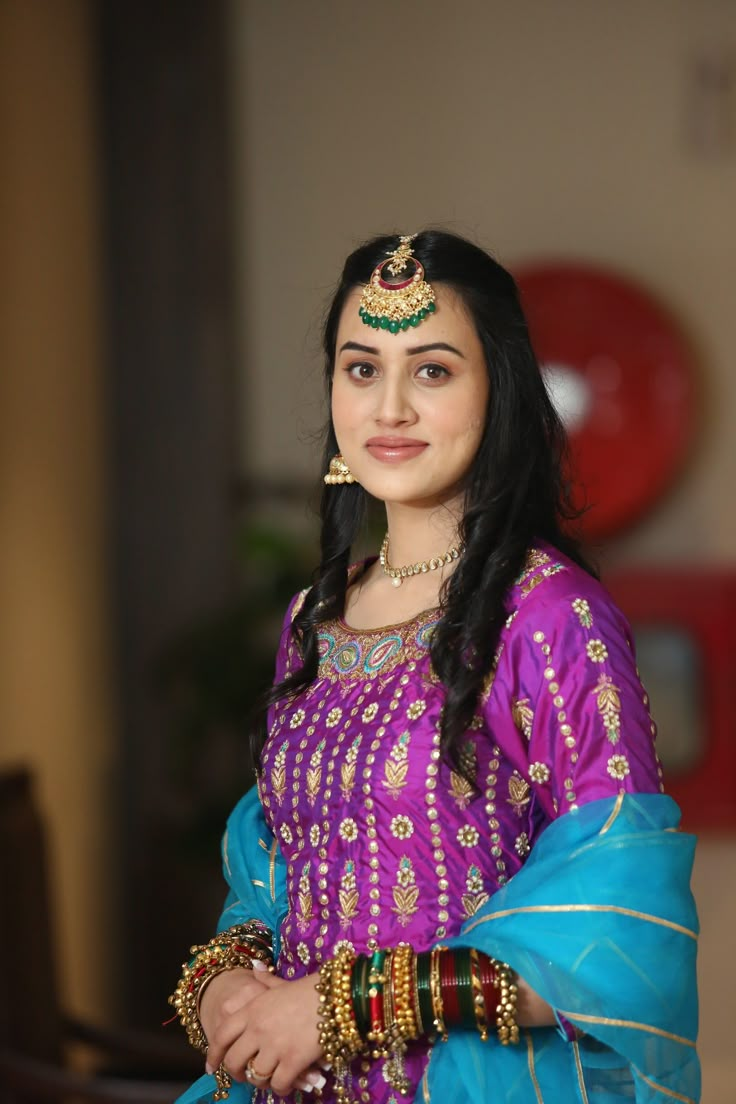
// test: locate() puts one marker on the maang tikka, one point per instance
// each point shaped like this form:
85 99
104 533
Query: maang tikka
397 295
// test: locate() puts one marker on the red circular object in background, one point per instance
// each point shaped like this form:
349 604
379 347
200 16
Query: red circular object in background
621 376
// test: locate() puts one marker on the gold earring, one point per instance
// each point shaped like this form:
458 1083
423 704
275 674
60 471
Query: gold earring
339 472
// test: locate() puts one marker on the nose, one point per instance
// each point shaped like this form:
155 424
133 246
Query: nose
393 405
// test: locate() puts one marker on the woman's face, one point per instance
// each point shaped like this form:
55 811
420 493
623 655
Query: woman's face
409 409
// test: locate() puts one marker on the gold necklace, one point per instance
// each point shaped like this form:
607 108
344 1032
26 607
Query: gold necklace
398 574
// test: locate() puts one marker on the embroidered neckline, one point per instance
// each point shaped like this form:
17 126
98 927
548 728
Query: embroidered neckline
356 654
395 627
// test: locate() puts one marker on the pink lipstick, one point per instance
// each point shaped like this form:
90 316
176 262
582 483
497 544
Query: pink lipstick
394 450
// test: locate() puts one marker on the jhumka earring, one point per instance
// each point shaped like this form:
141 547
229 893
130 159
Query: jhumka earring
397 295
339 472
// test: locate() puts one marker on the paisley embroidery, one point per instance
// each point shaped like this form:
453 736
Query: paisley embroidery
278 773
304 897
608 700
314 772
397 765
348 895
405 891
519 794
347 654
347 770
461 787
475 896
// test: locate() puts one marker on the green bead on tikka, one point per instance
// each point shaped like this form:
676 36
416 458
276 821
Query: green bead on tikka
394 325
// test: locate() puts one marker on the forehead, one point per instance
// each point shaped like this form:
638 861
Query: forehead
451 323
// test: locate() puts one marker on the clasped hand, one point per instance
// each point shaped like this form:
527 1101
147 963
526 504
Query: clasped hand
264 1029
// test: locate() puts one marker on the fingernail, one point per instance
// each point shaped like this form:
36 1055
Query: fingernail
258 965
208 1068
316 1080
305 1086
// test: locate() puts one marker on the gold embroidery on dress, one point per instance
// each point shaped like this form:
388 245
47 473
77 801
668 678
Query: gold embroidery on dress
519 794
475 896
348 895
582 609
523 716
405 892
397 765
347 770
608 700
314 772
462 785
535 558
304 896
278 773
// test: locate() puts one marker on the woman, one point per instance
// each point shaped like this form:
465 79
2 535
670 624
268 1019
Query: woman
458 753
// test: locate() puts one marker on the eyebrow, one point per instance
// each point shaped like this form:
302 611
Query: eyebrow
413 350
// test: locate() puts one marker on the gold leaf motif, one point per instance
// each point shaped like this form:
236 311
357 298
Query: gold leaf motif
608 701
461 787
523 716
472 902
405 903
519 795
304 901
395 779
347 769
278 783
278 773
314 772
348 906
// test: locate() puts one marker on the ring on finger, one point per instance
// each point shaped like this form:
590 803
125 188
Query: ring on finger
253 1075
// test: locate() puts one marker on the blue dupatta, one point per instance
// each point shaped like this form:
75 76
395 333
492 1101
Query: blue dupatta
600 922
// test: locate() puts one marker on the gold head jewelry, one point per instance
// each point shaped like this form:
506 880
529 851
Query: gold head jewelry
397 295
339 472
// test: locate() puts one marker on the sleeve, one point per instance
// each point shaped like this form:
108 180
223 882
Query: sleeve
252 863
586 713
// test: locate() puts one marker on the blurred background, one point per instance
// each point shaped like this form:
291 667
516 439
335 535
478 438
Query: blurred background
179 184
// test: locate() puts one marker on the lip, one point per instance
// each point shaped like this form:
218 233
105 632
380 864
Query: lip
391 450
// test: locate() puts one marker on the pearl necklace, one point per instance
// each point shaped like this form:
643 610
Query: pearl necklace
398 574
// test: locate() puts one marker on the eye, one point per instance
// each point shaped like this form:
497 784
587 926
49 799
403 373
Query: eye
434 372
361 370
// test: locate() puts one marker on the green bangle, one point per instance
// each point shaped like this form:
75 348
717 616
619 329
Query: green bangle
359 994
464 987
424 991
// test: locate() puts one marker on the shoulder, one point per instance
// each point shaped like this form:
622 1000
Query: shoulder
556 590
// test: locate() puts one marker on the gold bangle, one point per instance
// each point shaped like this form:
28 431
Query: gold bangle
479 1002
236 947
435 989
508 992
402 1000
421 1030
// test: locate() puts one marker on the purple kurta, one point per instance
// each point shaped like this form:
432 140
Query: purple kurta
383 841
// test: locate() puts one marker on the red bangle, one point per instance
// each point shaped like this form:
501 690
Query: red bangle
448 988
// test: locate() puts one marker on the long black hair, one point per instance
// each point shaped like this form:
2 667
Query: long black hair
515 491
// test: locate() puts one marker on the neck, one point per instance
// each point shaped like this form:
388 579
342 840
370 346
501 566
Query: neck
419 533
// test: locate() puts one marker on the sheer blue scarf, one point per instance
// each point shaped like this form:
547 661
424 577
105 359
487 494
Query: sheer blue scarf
600 922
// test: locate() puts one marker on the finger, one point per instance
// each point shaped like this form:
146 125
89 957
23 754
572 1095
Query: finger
269 980
226 1034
